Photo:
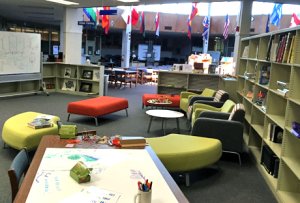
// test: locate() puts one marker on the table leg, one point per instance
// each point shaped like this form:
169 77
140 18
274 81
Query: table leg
151 117
162 125
178 128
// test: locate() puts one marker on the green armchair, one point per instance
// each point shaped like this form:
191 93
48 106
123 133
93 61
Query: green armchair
198 108
185 97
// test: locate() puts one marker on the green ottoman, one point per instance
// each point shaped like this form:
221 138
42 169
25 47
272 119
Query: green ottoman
183 153
18 135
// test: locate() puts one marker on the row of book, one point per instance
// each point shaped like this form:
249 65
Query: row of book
281 48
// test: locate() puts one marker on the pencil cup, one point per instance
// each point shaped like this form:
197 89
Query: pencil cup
143 197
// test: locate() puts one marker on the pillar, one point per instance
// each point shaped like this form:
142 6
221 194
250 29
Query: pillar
126 41
244 23
72 35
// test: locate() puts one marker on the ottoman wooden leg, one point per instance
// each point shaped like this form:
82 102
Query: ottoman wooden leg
68 117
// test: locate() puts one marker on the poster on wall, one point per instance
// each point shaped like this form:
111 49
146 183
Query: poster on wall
143 52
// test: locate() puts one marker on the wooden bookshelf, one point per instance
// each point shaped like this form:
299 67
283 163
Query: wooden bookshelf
276 50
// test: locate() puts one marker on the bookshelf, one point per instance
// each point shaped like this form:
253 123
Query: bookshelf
174 82
272 57
86 80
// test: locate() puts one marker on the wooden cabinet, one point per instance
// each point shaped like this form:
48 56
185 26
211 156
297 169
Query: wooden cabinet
174 82
260 61
73 79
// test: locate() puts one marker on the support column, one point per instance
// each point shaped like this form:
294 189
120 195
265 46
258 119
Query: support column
72 34
205 42
126 41
61 37
244 28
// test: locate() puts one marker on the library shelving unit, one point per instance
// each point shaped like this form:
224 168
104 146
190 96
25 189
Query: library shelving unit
19 87
174 82
73 79
260 67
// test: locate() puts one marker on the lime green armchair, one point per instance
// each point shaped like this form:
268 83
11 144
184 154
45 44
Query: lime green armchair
185 97
198 108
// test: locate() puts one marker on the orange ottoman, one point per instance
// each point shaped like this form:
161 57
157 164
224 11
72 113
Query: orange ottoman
175 99
96 107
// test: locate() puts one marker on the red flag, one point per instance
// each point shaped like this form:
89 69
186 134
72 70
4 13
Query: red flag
194 11
134 17
295 20
191 17
105 20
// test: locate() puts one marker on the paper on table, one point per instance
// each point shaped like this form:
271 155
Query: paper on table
93 194
116 170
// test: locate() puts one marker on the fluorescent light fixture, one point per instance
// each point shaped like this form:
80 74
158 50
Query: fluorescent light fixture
128 1
63 2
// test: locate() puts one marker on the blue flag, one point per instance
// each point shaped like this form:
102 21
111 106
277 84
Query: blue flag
276 14
267 25
205 28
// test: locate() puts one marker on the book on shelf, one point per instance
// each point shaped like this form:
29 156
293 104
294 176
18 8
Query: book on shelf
273 50
281 49
275 133
292 50
287 48
246 52
269 48
128 142
264 75
39 123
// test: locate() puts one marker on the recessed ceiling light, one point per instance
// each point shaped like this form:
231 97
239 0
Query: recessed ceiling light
128 1
63 2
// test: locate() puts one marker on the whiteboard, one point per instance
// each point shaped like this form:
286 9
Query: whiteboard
143 50
19 53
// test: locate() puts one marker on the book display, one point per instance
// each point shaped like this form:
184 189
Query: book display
73 79
272 104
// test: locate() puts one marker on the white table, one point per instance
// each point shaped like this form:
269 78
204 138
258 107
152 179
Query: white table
164 114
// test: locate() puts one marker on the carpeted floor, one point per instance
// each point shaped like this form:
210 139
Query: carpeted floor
225 182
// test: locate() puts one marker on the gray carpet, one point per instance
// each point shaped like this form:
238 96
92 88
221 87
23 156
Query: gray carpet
225 182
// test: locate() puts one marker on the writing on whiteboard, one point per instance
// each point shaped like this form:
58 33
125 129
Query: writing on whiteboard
19 53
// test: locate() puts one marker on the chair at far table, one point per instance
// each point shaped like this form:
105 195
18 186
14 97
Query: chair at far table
17 169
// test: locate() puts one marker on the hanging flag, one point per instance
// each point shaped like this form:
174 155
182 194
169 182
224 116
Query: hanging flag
126 15
267 25
157 24
134 17
205 28
142 24
194 11
105 20
294 21
189 27
91 14
226 27
276 14
190 18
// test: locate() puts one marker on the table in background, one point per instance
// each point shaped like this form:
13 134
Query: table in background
53 141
